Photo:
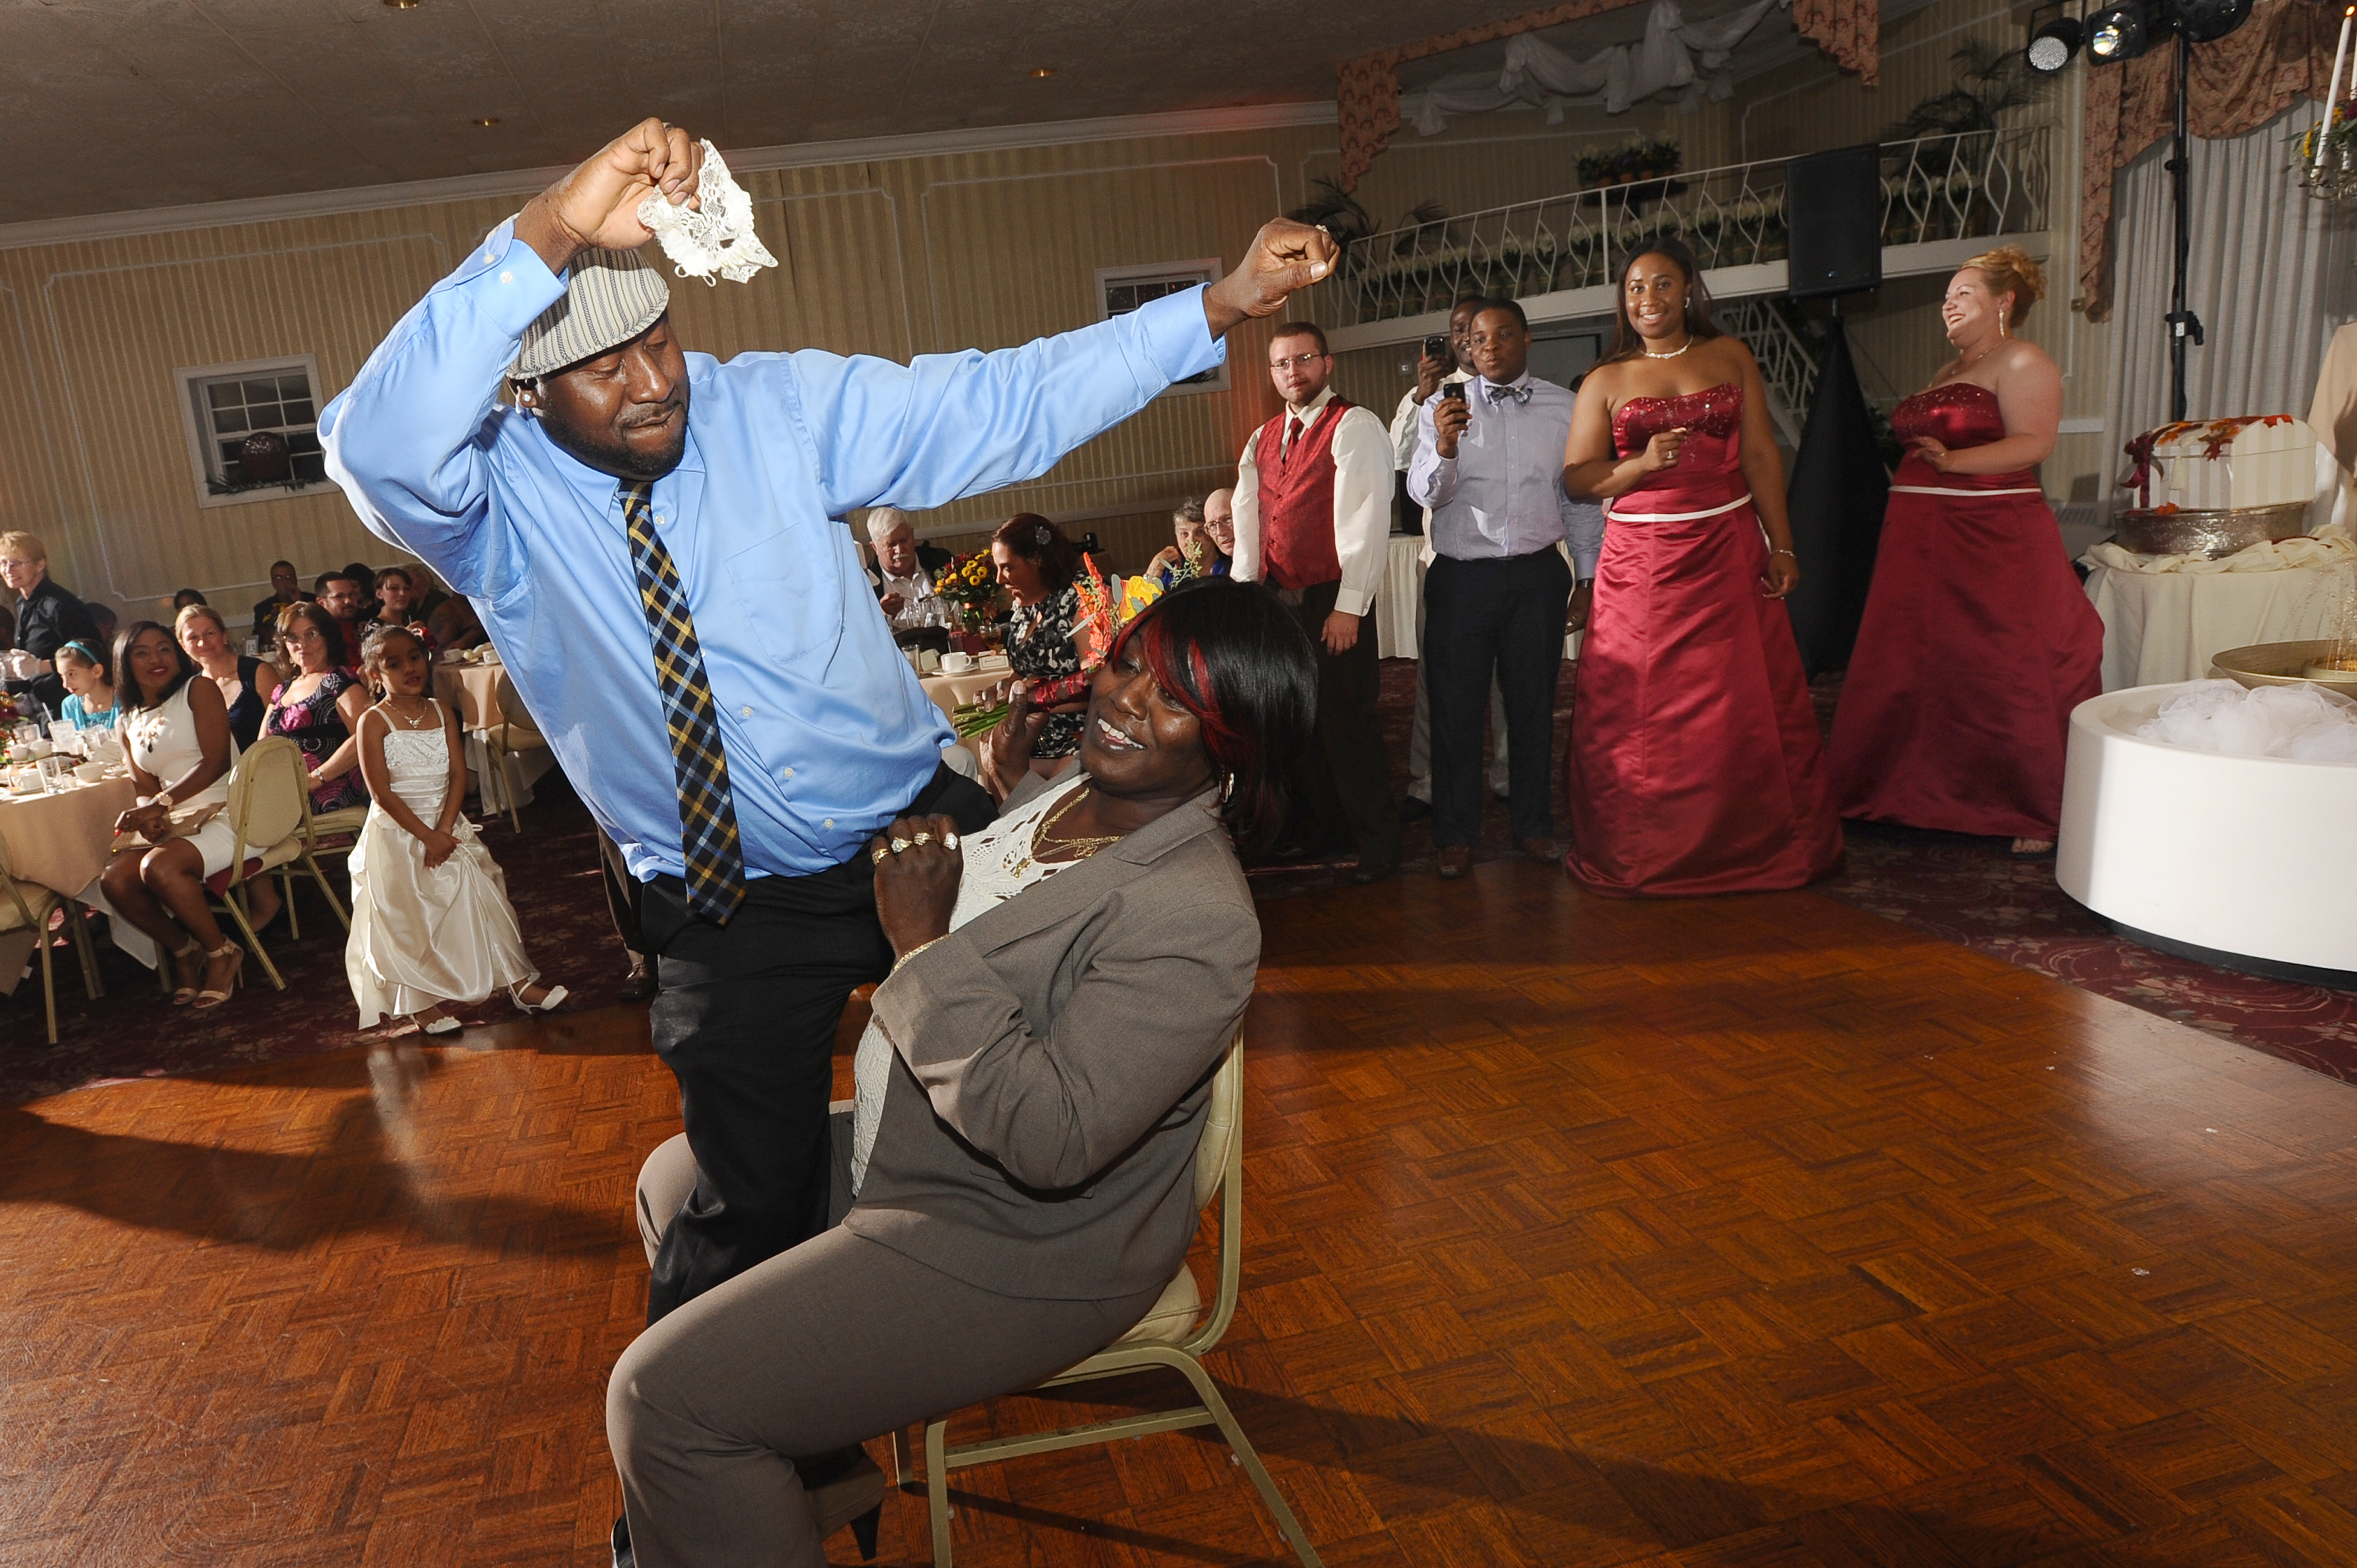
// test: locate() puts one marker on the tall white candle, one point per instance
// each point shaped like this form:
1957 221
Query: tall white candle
2332 88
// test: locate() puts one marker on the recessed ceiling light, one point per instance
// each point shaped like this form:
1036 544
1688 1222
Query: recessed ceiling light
488 120
401 5
1038 72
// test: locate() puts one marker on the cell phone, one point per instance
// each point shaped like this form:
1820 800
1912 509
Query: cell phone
1435 347
1454 390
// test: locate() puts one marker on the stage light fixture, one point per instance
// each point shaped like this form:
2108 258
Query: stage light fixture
2207 21
2118 33
2054 45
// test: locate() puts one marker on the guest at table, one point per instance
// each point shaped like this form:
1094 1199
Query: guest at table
904 576
89 687
1696 766
455 624
48 618
426 592
102 617
176 734
245 682
284 589
1039 568
1220 520
397 604
363 577
342 598
1194 551
318 706
1029 1098
184 598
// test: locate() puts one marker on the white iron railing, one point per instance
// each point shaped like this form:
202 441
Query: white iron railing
1786 363
1957 186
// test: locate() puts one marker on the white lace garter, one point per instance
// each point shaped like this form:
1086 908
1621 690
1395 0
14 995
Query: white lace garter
715 236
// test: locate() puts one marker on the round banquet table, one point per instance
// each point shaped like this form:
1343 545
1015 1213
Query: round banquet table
60 841
474 691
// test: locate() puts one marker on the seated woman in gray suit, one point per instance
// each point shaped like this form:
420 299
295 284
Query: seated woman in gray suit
1030 1096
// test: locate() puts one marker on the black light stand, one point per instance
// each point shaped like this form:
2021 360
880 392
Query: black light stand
2182 323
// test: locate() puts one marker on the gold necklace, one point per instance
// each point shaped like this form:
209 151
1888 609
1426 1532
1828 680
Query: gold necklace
1043 837
417 722
1672 354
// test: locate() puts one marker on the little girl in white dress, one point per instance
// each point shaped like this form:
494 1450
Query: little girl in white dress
431 920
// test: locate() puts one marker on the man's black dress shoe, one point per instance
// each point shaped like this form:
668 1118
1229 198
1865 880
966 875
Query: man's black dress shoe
623 1556
639 985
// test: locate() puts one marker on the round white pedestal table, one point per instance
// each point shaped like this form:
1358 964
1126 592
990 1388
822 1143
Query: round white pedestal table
2232 860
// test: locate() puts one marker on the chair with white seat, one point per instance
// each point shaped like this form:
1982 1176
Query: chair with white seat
26 906
269 804
512 734
1174 1333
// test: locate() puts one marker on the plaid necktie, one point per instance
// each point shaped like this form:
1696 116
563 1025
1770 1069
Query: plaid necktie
707 819
1499 394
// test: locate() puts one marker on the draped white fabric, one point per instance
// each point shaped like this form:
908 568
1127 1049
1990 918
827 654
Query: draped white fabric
2269 275
1674 53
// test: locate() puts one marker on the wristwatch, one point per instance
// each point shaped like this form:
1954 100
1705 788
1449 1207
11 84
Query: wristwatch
163 798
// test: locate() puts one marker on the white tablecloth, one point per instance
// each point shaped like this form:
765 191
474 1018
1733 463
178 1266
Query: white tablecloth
1396 605
2162 627
474 691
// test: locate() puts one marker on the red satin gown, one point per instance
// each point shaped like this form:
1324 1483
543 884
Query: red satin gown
1696 766
1976 644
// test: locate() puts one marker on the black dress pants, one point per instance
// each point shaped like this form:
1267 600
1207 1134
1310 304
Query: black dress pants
746 1020
1500 618
1342 784
625 894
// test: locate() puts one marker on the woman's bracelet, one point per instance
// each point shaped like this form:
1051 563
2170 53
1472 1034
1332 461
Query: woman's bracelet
914 951
1784 552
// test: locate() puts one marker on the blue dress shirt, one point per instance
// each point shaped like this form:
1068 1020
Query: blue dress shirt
827 731
1502 493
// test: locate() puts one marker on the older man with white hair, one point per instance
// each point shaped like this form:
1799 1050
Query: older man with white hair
904 570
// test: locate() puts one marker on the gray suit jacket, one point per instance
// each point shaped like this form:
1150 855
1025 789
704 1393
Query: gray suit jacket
1052 1059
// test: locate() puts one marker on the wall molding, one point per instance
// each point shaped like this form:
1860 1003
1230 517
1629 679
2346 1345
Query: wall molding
526 182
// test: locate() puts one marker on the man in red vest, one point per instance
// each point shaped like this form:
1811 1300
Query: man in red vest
1313 510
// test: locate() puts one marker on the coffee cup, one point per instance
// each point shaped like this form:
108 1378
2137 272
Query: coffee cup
90 772
957 663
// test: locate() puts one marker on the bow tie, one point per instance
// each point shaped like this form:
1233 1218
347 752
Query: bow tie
1499 394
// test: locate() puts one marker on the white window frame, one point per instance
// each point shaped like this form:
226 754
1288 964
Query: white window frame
1204 270
201 439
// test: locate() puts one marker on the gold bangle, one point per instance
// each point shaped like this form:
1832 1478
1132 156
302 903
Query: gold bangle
914 951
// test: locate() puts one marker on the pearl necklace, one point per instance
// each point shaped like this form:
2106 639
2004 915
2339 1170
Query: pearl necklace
1672 354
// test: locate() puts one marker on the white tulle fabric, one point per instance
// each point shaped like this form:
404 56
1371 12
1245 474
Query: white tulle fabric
421 936
716 234
998 865
2304 723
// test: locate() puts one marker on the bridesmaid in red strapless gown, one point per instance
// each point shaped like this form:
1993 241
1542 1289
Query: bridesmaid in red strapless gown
1976 644
1696 766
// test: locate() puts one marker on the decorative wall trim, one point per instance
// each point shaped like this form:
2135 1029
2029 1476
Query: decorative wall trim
525 182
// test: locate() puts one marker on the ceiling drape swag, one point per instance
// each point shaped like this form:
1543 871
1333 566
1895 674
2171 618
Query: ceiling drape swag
2283 54
1367 89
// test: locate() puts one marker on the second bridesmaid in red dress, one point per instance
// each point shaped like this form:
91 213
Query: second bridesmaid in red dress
1978 640
1696 766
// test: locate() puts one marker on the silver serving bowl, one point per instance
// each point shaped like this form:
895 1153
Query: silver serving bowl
2281 664
2209 534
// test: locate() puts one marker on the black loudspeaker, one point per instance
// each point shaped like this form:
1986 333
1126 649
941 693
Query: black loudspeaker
1832 208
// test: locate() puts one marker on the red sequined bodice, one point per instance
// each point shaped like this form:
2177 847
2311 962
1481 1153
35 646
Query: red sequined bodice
1957 415
1706 470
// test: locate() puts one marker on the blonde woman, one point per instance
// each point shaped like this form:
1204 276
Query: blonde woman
1978 640
245 682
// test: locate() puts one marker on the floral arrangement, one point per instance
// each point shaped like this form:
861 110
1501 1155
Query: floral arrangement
1107 604
1641 158
971 583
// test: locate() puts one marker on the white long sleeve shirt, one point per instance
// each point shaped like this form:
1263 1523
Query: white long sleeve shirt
1503 494
1361 451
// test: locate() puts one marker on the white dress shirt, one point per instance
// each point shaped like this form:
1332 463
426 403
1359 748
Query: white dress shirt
1362 496
1403 445
920 604
1503 494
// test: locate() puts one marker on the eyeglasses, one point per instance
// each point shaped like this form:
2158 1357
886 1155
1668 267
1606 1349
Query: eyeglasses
1297 362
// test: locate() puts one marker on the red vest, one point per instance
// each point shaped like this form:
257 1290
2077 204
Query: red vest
1296 501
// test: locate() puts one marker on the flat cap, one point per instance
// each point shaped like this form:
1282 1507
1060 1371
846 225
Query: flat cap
610 296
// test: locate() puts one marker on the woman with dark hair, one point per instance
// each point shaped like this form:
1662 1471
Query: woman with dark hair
1031 1098
1039 567
319 705
1695 765
90 697
175 731
184 598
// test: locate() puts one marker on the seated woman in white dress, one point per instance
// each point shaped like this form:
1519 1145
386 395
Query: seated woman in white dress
431 920
175 730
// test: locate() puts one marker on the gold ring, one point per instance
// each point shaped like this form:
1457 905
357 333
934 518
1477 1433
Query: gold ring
922 838
899 845
949 841
877 854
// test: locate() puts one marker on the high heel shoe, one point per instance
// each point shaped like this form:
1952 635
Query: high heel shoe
184 995
211 998
547 1004
443 1023
853 1496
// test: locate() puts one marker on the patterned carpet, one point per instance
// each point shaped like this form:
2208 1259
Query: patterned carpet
1964 889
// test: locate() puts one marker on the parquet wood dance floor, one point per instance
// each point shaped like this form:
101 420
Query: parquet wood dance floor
1741 1232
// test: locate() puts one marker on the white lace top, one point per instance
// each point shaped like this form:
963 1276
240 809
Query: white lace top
417 763
998 865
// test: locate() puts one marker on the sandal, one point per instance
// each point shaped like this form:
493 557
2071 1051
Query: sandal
209 997
184 995
441 1024
549 1000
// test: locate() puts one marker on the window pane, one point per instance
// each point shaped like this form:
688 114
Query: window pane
302 441
261 417
260 392
228 420
295 411
311 468
294 386
224 395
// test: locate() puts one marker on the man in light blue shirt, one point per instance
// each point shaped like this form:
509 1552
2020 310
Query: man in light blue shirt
1488 464
805 729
